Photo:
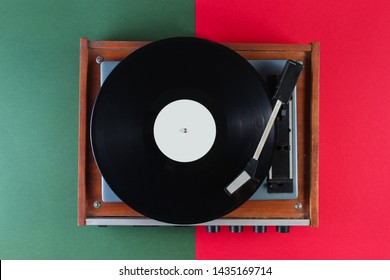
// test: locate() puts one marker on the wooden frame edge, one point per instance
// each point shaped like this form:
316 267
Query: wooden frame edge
82 132
269 47
235 46
116 44
312 49
314 127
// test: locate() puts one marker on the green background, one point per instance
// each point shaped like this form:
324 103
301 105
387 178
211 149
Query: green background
39 70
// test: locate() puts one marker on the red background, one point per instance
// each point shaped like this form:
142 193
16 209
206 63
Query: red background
354 124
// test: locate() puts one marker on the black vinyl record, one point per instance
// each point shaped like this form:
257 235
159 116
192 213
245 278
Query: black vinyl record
125 112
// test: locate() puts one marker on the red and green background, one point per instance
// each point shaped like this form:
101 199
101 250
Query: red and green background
39 69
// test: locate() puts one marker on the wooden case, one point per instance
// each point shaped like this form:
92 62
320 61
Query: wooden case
90 205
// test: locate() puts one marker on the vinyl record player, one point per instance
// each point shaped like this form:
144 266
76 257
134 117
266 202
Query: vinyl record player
286 195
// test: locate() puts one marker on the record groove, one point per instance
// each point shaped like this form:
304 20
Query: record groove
125 111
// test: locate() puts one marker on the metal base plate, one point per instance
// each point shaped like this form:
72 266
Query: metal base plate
265 68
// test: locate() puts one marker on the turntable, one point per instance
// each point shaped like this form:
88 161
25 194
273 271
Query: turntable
184 131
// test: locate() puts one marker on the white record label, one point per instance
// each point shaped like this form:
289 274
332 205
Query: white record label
184 130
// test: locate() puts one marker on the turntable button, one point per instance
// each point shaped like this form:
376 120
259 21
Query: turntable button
260 229
283 229
212 229
236 229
